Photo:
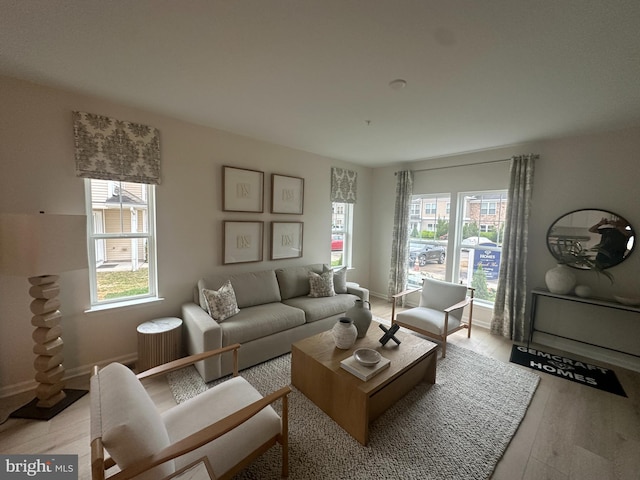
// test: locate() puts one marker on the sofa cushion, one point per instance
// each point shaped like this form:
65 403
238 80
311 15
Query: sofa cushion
294 281
321 285
221 303
260 321
319 308
251 288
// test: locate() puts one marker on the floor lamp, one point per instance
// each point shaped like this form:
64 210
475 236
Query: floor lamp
39 247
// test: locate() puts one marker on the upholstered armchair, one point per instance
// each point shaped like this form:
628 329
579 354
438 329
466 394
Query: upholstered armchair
439 312
230 424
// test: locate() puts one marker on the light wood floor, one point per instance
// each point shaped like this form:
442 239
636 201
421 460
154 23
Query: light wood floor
570 432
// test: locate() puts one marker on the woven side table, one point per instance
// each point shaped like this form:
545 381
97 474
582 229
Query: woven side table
159 341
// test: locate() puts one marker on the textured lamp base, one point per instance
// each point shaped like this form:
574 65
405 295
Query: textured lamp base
33 412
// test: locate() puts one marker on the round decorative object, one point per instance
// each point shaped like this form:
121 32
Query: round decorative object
361 316
583 291
367 356
629 301
344 333
560 279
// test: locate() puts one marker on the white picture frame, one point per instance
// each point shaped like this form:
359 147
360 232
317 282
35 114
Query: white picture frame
287 194
242 190
243 241
286 240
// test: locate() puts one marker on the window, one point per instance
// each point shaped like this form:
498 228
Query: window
479 226
121 241
481 220
341 234
428 239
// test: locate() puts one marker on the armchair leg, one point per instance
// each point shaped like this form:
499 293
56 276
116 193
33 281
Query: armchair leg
285 436
444 347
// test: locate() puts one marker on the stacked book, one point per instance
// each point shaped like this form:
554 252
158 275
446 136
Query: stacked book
363 372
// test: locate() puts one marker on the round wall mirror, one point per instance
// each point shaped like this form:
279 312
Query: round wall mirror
591 239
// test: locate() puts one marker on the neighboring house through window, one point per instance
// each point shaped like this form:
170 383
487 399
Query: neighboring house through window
121 241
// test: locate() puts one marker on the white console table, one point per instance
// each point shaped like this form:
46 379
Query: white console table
598 322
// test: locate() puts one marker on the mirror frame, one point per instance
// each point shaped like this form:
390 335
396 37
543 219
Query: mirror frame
586 258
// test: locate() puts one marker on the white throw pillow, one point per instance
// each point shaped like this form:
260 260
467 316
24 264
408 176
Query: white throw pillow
321 285
221 303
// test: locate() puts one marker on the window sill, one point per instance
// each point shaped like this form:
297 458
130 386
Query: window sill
129 303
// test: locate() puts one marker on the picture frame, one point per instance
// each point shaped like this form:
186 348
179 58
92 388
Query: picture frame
242 242
242 190
286 240
287 194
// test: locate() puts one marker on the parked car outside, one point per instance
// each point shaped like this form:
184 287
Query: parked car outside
477 241
337 243
425 252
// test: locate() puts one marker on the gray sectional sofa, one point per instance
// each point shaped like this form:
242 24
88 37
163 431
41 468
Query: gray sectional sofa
275 311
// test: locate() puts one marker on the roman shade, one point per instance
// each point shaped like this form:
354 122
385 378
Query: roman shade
343 185
111 149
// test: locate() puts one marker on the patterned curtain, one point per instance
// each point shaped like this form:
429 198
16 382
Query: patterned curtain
511 296
400 246
344 185
110 149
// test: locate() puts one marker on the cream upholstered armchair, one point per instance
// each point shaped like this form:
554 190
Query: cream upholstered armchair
230 424
439 313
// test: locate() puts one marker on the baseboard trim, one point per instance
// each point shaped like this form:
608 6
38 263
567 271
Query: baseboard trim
17 388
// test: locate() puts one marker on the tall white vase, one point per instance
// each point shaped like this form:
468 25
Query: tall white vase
560 279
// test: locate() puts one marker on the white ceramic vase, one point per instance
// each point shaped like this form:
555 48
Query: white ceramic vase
344 333
560 279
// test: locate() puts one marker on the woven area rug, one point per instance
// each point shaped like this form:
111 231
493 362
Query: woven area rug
456 429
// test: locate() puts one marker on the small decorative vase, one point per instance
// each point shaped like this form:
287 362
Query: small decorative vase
344 333
560 279
361 316
583 291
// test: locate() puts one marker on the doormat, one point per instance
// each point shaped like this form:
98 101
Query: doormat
565 367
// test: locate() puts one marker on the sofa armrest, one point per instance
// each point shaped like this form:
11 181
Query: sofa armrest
361 292
202 334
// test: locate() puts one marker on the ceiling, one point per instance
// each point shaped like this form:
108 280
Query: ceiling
314 74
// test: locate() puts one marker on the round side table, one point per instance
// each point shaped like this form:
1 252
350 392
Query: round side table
159 341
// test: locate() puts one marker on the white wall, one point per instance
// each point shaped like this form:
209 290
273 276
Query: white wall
594 171
38 173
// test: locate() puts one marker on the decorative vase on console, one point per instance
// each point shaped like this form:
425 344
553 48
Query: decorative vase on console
560 279
344 333
361 316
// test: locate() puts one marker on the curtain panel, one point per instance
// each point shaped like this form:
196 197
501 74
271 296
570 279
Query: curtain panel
110 149
398 273
511 295
344 185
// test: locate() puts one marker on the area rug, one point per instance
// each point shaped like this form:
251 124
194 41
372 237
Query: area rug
568 368
456 429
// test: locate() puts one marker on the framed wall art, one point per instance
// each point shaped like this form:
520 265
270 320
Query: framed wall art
242 242
242 190
287 194
286 240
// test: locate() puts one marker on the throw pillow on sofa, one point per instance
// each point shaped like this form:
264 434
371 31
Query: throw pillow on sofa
339 279
221 303
321 285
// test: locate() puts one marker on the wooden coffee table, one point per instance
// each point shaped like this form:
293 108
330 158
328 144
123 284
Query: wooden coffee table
351 402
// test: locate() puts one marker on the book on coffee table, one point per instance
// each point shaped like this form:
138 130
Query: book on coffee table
363 372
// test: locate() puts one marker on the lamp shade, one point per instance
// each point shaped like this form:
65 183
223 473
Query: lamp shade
41 244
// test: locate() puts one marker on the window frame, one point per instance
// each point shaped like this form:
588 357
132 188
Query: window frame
346 231
94 235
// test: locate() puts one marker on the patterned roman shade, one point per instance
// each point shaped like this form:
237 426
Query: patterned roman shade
343 185
110 149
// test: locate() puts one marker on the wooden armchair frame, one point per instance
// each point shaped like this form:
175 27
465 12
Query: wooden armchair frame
443 338
100 463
